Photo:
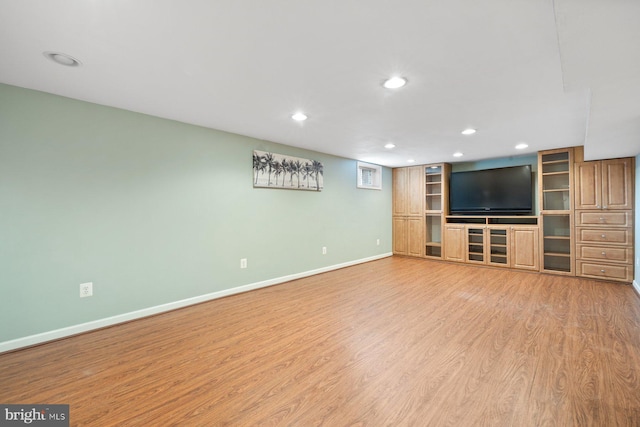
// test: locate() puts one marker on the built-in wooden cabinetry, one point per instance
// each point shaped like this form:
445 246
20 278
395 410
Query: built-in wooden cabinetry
408 211
604 184
604 219
498 241
455 236
420 201
525 244
555 186
436 207
407 235
584 226
408 189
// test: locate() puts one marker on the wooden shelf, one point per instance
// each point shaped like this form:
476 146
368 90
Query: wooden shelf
557 254
492 219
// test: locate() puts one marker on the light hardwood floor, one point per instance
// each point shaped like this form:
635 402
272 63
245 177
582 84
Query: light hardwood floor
394 342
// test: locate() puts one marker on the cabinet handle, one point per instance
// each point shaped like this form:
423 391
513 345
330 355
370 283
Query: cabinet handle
604 253
604 236
601 219
604 207
598 206
602 271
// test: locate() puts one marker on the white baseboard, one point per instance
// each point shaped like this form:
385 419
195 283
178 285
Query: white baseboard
636 286
138 314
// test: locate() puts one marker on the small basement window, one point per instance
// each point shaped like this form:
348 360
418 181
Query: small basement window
369 176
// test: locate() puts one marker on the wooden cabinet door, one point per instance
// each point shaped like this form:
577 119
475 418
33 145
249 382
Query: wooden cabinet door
408 236
606 184
415 190
400 236
415 236
617 184
408 191
499 246
454 242
476 244
524 248
588 185
400 191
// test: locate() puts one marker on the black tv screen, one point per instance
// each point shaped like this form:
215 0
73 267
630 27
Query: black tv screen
502 191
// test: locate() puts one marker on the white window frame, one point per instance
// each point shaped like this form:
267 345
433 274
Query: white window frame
375 181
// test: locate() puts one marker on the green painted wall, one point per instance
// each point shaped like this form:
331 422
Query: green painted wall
154 211
502 162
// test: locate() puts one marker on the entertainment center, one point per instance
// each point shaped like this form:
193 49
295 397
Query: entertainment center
583 227
501 191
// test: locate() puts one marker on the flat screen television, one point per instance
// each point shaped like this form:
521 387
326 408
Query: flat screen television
502 191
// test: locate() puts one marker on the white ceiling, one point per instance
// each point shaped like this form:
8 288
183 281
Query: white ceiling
550 73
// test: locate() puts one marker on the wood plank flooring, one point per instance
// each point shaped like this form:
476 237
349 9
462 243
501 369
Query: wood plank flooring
394 342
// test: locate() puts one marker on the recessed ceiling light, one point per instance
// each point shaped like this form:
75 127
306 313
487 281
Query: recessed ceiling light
389 146
410 161
457 154
299 116
395 82
62 59
522 146
469 131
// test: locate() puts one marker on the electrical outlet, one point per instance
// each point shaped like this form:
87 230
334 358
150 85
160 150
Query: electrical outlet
243 263
377 242
86 290
324 250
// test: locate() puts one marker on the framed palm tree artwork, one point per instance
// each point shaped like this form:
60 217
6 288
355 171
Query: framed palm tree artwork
272 170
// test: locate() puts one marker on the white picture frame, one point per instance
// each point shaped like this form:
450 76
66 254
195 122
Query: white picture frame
272 170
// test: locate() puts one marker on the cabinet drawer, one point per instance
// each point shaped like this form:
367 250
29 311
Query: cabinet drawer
618 236
605 271
603 219
604 253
